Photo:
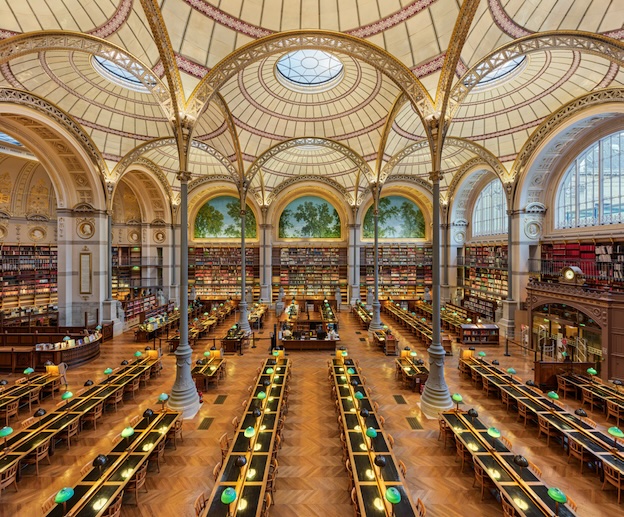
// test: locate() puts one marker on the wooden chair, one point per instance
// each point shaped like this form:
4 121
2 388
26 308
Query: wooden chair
9 477
92 416
115 398
564 387
508 507
464 454
587 397
175 431
354 501
506 442
224 442
200 504
52 387
216 470
590 422
576 450
488 387
135 420
481 478
23 380
420 508
158 454
535 469
402 468
381 420
33 397
70 431
523 412
476 377
235 423
464 368
572 504
9 410
114 510
390 440
86 468
546 428
117 438
145 376
133 387
272 479
48 504
137 482
613 477
614 410
506 399
28 422
267 504
445 431
40 453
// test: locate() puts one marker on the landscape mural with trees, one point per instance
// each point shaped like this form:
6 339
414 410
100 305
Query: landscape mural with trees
309 217
220 218
399 218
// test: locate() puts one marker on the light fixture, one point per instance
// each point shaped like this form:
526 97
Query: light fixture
108 372
88 382
591 372
558 497
521 461
511 371
552 395
4 432
481 354
457 398
127 432
100 462
64 495
163 398
616 432
148 413
472 413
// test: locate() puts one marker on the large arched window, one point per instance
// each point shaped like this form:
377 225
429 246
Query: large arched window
490 212
592 191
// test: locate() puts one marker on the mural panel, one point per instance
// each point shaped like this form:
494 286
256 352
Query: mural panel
219 218
309 217
399 218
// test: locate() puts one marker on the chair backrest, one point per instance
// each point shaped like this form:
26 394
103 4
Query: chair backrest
34 394
561 382
420 507
86 468
402 468
506 442
43 450
235 423
135 420
138 480
590 422
522 408
508 508
200 504
535 469
117 439
114 510
216 470
587 394
574 446
9 475
267 503
48 504
28 422
543 423
21 381
572 504
72 428
611 473
479 472
224 442
612 406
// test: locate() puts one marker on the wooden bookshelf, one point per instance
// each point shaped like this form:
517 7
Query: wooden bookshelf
404 271
479 335
215 271
126 273
310 272
485 279
28 275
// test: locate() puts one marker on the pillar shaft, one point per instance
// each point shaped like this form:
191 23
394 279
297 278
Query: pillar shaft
375 323
243 320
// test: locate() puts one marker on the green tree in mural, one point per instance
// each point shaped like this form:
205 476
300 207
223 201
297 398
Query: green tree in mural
285 223
209 222
386 212
320 220
233 230
413 220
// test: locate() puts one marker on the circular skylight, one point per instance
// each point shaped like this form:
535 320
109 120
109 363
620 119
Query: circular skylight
503 71
9 140
309 70
118 75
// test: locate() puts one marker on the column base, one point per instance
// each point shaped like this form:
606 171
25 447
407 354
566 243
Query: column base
265 294
354 294
507 323
243 320
185 402
433 402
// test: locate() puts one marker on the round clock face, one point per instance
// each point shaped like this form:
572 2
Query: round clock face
569 274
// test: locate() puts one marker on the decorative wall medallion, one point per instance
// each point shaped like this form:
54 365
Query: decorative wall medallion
37 233
3 232
159 236
85 228
134 236
460 237
533 229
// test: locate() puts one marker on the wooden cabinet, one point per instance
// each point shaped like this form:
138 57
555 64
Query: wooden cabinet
479 334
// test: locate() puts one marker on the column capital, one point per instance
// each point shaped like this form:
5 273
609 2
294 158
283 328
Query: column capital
183 176
435 176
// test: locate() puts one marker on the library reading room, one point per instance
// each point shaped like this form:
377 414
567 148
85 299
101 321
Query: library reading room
272 257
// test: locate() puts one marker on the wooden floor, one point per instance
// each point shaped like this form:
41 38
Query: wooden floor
312 480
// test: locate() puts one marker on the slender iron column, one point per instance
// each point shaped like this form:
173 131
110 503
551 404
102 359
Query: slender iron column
184 393
436 396
243 320
375 323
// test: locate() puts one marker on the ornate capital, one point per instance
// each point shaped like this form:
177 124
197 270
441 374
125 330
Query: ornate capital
435 176
184 176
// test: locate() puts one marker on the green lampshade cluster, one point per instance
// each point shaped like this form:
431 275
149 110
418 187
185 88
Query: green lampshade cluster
413 354
207 353
359 395
127 432
67 395
138 353
616 432
108 371
6 431
553 395
276 352
481 354
163 397
261 395
393 495
344 353
350 371
457 398
250 432
592 371
28 371
228 496
493 432
64 495
371 432
557 495
270 371
511 371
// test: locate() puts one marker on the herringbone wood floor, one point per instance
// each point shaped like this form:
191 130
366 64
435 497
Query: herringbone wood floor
312 480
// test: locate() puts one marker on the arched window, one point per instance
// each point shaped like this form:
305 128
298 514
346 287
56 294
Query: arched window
490 212
591 192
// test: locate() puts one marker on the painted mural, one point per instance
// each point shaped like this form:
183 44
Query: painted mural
219 218
399 218
309 217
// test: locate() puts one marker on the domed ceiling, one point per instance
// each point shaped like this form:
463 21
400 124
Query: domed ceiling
121 68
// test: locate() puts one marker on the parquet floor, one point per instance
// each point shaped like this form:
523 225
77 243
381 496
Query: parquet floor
311 480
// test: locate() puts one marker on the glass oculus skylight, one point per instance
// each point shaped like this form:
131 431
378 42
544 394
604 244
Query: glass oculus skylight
503 71
118 75
9 140
309 70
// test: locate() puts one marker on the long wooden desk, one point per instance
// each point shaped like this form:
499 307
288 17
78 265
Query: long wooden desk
362 315
208 372
527 492
598 443
411 372
23 390
309 344
97 490
371 481
602 391
250 481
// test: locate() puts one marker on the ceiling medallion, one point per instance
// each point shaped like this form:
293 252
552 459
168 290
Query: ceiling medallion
309 70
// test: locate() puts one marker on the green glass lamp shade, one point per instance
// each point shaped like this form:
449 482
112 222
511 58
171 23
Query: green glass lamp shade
270 371
592 371
64 495
457 398
413 354
138 353
6 431
615 432
250 432
359 395
261 395
493 432
28 371
163 397
66 338
127 432
98 327
350 371
393 495
553 395
481 354
371 432
557 495
108 371
344 353
207 353
275 352
511 371
228 496
67 395
205 314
